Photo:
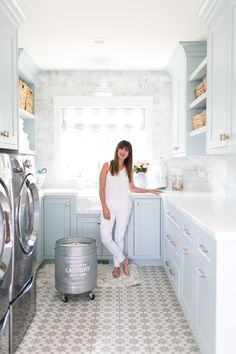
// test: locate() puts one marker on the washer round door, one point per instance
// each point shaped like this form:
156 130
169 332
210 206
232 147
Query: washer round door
28 214
5 246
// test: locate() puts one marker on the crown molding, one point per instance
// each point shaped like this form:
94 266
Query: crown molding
13 11
208 9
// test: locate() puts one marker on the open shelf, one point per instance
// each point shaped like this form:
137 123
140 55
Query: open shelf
200 72
198 131
25 114
199 103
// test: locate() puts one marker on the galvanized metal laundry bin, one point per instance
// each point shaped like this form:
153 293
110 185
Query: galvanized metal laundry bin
75 266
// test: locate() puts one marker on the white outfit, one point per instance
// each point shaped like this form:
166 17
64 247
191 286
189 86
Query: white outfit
119 203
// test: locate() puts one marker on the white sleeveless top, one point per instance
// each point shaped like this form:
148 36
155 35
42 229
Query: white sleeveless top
117 191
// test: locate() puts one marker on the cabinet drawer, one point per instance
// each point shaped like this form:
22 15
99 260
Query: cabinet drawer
173 215
172 271
206 249
172 241
188 230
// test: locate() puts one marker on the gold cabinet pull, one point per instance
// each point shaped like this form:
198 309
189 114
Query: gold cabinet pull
175 148
224 136
67 204
99 222
5 133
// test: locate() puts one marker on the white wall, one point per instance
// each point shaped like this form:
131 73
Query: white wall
213 173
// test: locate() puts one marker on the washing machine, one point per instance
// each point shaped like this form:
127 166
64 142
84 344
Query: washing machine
26 223
6 250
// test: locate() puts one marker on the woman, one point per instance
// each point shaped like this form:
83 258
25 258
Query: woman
115 182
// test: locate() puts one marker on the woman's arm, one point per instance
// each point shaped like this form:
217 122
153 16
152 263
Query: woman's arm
135 189
102 185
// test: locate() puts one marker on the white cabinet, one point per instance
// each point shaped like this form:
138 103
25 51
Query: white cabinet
221 126
8 80
144 229
187 56
27 73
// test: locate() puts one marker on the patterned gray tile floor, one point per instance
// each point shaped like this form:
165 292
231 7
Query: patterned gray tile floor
140 319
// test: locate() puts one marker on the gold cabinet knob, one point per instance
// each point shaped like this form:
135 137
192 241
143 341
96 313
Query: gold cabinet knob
175 147
5 133
99 222
224 136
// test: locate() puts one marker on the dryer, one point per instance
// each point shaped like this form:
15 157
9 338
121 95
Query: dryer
6 250
26 223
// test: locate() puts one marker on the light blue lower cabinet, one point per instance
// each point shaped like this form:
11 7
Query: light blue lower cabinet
189 257
89 226
144 229
142 238
57 221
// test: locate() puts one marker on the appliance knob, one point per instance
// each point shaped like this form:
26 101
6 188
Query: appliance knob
18 170
27 163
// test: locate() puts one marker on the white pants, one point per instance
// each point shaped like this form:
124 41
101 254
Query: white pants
116 247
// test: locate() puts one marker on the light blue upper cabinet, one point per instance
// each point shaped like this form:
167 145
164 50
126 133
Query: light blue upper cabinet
9 20
185 59
221 121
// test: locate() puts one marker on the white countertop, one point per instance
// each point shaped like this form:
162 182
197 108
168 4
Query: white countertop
214 214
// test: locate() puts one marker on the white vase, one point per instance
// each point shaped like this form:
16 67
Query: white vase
140 179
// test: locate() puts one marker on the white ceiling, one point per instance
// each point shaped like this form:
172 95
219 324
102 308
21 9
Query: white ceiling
139 34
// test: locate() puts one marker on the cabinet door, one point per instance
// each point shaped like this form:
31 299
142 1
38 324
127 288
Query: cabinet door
178 113
218 85
8 84
187 288
89 227
146 235
232 123
57 222
205 307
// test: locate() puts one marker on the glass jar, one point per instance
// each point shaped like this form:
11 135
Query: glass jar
177 183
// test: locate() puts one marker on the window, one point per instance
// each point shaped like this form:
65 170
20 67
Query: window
88 130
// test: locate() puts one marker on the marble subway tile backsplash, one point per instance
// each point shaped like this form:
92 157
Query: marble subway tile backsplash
203 173
216 174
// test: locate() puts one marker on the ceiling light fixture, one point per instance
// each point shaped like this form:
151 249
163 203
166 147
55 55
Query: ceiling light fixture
98 40
103 90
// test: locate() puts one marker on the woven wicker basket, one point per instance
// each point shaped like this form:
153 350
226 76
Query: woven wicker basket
29 100
22 92
199 120
201 88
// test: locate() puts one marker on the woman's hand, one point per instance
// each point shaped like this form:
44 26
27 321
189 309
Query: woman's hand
155 191
106 213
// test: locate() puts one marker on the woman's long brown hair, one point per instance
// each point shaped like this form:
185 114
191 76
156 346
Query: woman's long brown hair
114 165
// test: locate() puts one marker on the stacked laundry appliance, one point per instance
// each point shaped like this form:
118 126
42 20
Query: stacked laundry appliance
26 222
6 250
